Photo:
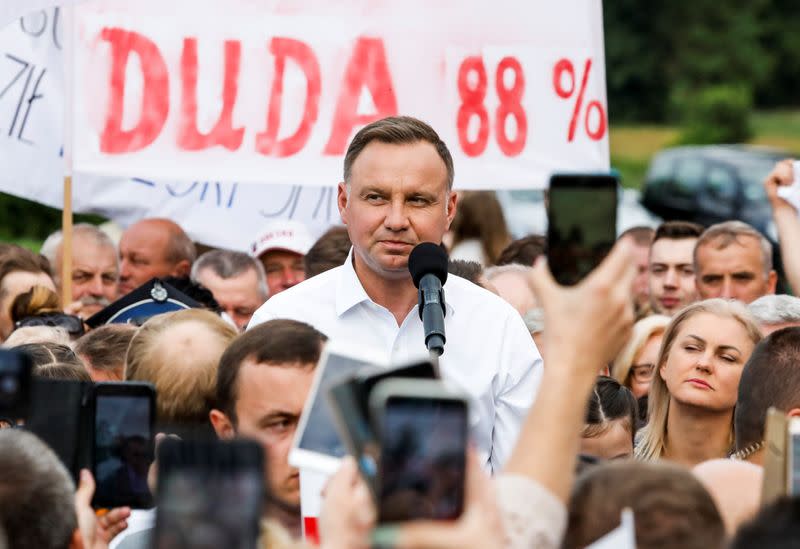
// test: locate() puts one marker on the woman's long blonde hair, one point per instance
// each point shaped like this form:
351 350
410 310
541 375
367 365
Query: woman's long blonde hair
643 330
653 435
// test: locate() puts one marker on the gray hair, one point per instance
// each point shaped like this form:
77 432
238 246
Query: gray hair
729 232
37 506
228 264
534 320
515 268
52 244
775 309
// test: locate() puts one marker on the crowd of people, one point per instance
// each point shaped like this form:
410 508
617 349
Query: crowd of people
645 387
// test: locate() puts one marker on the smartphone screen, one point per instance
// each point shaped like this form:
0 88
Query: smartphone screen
123 448
210 495
15 387
582 224
423 459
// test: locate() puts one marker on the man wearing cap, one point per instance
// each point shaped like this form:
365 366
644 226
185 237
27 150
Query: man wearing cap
397 193
281 247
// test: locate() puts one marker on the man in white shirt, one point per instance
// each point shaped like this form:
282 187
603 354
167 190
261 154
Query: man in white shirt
397 192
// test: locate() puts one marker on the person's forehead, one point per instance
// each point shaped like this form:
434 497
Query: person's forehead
715 329
88 253
742 254
281 256
411 165
670 250
145 237
262 387
239 286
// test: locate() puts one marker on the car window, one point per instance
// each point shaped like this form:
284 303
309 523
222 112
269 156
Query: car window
721 185
688 177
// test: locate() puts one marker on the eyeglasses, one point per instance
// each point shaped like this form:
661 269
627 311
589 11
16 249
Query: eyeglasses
71 323
642 373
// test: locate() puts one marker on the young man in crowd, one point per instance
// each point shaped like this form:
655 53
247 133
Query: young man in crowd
95 268
151 248
280 248
733 260
262 383
329 251
671 269
397 193
236 280
642 238
20 270
769 378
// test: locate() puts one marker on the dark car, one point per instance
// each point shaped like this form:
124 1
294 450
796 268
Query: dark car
711 184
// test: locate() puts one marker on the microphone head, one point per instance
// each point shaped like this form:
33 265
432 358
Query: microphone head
427 258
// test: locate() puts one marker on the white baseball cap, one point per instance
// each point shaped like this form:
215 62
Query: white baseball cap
285 234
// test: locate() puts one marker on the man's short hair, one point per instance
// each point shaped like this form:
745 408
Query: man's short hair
515 268
179 246
776 526
769 378
678 230
724 234
228 264
329 251
523 250
397 130
17 258
775 309
641 235
670 506
53 242
165 354
468 270
276 342
37 496
105 347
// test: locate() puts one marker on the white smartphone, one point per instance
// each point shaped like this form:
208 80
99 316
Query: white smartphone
317 444
793 457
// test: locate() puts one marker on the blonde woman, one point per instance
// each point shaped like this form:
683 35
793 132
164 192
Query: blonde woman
634 366
694 389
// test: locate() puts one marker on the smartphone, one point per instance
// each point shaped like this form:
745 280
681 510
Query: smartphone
423 430
210 494
793 457
61 416
349 401
317 444
123 435
15 387
582 224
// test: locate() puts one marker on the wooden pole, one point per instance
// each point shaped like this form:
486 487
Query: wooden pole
66 244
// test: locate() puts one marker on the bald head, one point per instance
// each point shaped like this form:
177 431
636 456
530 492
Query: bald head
153 247
511 283
735 487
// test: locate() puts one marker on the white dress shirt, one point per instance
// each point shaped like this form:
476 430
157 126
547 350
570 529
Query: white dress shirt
489 353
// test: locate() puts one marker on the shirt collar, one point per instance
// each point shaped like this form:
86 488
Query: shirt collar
350 292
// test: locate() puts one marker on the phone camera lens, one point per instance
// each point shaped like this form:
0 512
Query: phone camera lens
9 385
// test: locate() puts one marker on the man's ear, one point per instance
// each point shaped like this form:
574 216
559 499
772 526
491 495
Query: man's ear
182 269
77 540
223 426
772 282
341 200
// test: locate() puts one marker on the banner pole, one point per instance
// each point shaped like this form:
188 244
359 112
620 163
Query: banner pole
66 244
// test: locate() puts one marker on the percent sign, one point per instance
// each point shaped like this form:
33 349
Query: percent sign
565 66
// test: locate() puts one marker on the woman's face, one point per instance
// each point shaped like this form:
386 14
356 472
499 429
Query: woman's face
644 365
705 362
615 442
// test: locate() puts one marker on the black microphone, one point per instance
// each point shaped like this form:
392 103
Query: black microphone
428 267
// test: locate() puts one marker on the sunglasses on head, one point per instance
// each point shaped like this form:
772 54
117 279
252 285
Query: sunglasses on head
72 324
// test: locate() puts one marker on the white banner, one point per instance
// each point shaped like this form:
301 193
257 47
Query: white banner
224 214
273 91
11 10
